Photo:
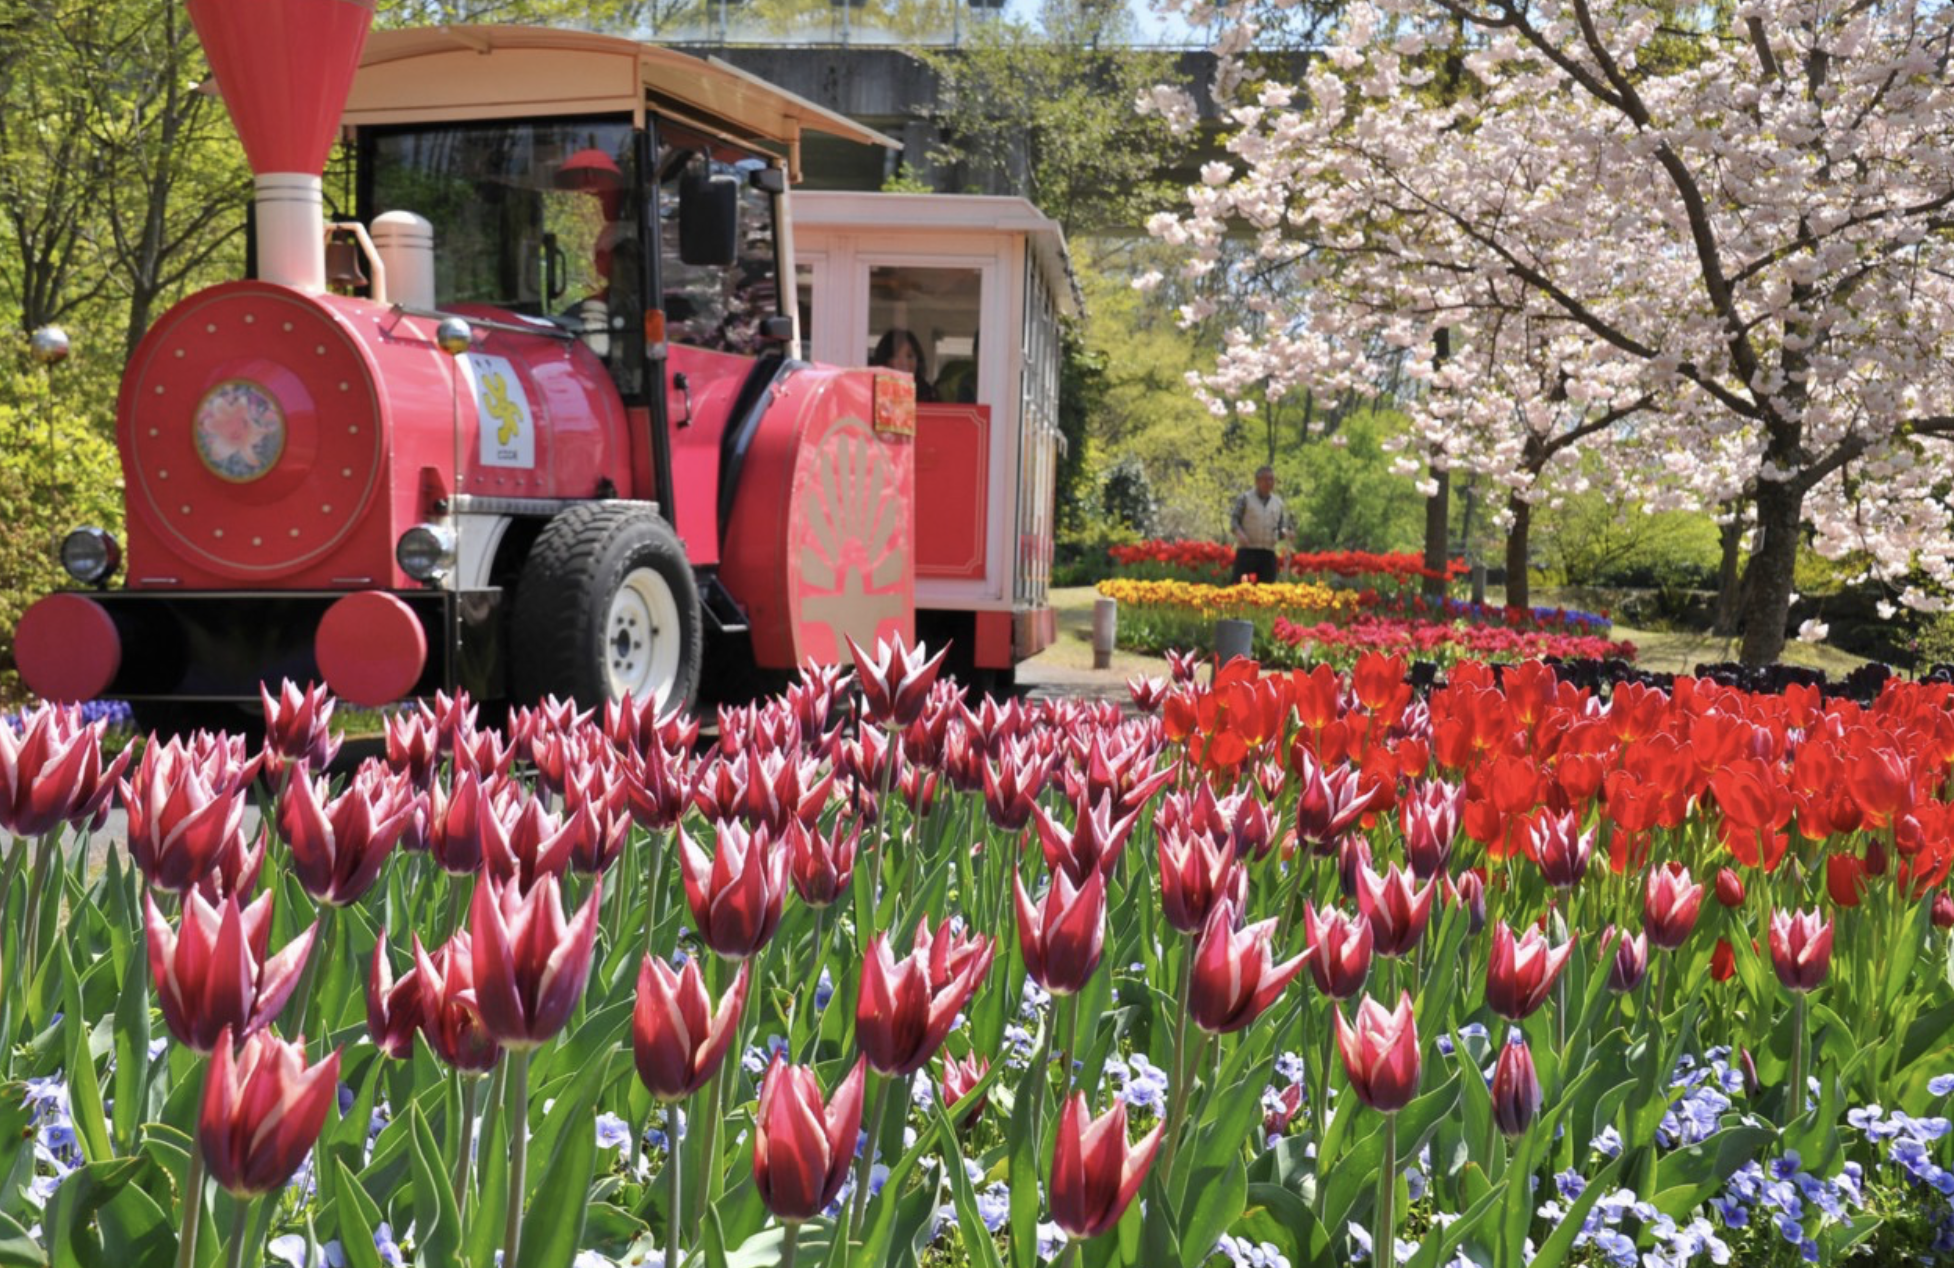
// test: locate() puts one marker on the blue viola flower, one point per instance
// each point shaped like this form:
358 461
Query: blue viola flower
612 1132
1940 1085
824 990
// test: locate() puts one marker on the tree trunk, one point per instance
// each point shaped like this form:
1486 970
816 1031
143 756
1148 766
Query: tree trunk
1767 581
1518 580
1729 588
1438 525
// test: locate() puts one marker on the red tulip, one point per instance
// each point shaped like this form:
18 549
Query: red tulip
1339 950
468 822
1630 963
1235 978
1380 1053
822 864
1183 666
338 847
1730 888
1943 911
452 719
658 789
1516 1088
596 816
1196 872
1561 848
802 1147
234 872
530 965
1669 906
1801 949
906 1007
1845 879
1880 781
896 683
1095 1172
736 894
212 973
958 1078
1147 693
393 1008
1329 800
1471 891
298 727
1397 911
1519 975
51 772
262 1112
1723 961
179 822
1063 937
451 1020
677 1036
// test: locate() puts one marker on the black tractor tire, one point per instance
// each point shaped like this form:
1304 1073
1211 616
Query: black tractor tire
590 610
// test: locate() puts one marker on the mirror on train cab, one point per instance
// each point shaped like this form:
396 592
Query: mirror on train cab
709 220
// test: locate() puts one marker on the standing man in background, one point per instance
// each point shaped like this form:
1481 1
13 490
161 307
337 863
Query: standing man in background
1260 520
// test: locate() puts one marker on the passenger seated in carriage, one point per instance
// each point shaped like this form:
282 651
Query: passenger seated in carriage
900 349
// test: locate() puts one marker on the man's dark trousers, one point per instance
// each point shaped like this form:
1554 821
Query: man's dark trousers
1261 564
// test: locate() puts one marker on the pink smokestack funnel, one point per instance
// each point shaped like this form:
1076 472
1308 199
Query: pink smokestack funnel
284 68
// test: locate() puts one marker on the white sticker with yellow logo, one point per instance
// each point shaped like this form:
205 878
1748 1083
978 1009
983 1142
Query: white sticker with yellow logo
507 425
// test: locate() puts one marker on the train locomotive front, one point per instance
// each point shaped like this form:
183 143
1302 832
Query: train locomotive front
547 434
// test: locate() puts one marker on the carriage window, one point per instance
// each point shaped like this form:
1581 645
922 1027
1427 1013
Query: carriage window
707 306
924 320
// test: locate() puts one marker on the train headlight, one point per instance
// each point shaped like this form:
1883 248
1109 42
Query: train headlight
91 555
426 552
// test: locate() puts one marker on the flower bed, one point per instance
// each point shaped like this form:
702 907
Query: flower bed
1651 977
1440 641
1157 615
1202 561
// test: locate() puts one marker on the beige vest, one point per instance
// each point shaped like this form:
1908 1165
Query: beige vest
1262 520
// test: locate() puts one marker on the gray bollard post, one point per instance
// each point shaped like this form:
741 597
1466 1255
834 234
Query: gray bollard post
1479 583
1105 627
1232 639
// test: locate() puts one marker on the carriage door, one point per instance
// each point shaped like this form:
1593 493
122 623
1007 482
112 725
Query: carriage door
928 319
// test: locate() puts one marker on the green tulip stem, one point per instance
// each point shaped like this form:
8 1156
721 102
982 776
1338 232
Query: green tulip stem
674 1188
790 1243
1320 1106
36 892
1069 1257
883 1085
1794 1103
234 1256
193 1185
1177 1098
655 886
882 810
453 925
518 1154
708 1155
1384 1245
471 1087
309 976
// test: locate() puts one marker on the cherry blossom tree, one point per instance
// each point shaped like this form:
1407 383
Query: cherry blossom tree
1713 244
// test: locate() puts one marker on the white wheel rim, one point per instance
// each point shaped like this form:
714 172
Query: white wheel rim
641 638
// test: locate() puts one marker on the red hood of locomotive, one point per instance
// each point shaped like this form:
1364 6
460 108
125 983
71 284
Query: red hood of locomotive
275 439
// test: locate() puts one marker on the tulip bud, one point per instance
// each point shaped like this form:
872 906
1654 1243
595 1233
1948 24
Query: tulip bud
1472 892
1669 906
180 821
802 1146
1380 1053
1276 1117
1562 849
1801 949
959 1077
1943 910
339 845
298 727
1723 961
1516 1088
393 1009
451 1021
1196 872
1353 856
1630 963
262 1112
677 1037
212 973
1339 950
1752 1084
1730 888
822 865
1095 1172
51 772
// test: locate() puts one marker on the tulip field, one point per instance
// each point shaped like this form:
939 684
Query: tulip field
1270 968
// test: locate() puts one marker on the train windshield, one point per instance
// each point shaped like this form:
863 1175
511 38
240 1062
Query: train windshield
538 217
